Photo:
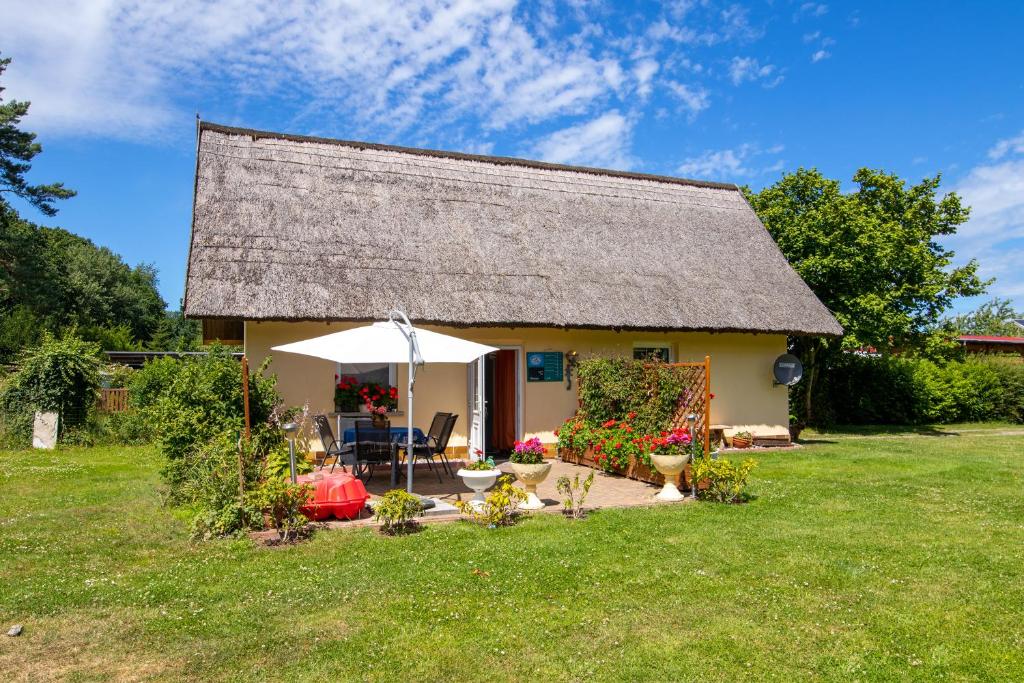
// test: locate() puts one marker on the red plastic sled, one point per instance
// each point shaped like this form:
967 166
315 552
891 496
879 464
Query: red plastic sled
334 495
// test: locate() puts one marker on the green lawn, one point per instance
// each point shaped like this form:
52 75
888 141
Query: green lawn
873 556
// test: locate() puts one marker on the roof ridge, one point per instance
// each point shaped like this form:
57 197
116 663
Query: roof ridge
463 156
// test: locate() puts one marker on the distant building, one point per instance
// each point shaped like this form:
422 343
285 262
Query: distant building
986 343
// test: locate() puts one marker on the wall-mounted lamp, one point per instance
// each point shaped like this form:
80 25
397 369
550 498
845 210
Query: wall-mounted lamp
290 430
571 359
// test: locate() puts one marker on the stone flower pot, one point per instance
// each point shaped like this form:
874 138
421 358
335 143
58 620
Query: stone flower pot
531 475
670 467
479 481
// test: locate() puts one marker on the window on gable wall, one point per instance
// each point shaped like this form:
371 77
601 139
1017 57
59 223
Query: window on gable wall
378 373
652 351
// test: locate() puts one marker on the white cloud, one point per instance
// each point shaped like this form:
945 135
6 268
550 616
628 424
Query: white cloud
749 69
694 99
995 232
603 142
813 9
644 71
820 55
731 164
121 68
1013 145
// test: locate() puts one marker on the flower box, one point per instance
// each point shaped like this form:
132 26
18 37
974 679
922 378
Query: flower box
634 470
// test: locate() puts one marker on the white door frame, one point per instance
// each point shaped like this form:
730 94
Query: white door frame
475 380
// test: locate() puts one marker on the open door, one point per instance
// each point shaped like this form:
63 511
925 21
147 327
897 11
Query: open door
476 408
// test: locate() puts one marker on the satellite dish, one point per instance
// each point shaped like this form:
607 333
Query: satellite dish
787 369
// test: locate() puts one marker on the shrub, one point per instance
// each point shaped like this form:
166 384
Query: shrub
278 462
501 507
282 502
210 485
612 387
1010 372
575 494
889 390
396 511
726 481
204 400
60 375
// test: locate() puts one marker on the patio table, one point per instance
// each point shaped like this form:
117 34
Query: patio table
399 436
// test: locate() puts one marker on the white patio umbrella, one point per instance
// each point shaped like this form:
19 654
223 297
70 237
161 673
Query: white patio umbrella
394 341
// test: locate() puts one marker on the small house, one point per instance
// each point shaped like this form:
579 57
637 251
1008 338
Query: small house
295 237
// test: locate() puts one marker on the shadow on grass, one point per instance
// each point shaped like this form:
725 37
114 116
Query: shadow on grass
878 430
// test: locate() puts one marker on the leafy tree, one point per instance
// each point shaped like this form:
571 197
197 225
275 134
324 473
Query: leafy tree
17 149
993 317
870 255
175 332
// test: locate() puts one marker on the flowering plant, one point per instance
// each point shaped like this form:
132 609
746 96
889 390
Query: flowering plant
529 452
481 463
616 441
377 398
575 434
675 442
346 393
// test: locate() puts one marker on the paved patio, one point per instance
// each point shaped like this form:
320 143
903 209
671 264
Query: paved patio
607 490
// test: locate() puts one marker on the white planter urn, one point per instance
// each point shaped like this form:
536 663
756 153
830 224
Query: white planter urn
531 476
479 481
670 466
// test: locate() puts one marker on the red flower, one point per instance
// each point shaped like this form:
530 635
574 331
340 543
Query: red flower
609 423
631 416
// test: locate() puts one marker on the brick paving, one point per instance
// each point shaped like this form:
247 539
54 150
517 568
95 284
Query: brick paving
607 491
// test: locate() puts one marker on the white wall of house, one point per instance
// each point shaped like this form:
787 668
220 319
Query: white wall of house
741 373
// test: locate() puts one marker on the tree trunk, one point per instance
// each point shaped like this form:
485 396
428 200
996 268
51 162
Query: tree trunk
812 377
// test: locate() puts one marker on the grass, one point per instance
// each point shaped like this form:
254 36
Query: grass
899 556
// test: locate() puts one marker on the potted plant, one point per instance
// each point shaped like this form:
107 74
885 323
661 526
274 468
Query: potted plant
377 395
669 454
527 462
742 440
379 415
479 476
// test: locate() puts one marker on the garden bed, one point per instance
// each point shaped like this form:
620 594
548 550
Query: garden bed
635 470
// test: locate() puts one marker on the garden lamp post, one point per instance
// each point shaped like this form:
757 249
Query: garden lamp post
691 421
290 430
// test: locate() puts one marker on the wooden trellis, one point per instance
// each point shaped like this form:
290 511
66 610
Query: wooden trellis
695 399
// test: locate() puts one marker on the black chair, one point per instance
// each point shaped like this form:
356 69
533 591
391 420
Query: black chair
332 448
372 448
436 442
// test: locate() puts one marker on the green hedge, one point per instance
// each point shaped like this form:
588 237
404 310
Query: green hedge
887 390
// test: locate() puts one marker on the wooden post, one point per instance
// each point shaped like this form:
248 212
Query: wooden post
707 405
245 397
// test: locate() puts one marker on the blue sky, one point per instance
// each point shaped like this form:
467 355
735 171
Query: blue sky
717 90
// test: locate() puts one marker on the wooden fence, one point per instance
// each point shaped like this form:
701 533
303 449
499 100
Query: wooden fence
113 400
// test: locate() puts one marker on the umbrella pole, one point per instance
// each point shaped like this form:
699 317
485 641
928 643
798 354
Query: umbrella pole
409 450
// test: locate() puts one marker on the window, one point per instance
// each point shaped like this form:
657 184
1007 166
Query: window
652 351
379 373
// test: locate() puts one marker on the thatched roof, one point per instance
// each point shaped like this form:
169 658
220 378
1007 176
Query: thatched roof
295 228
